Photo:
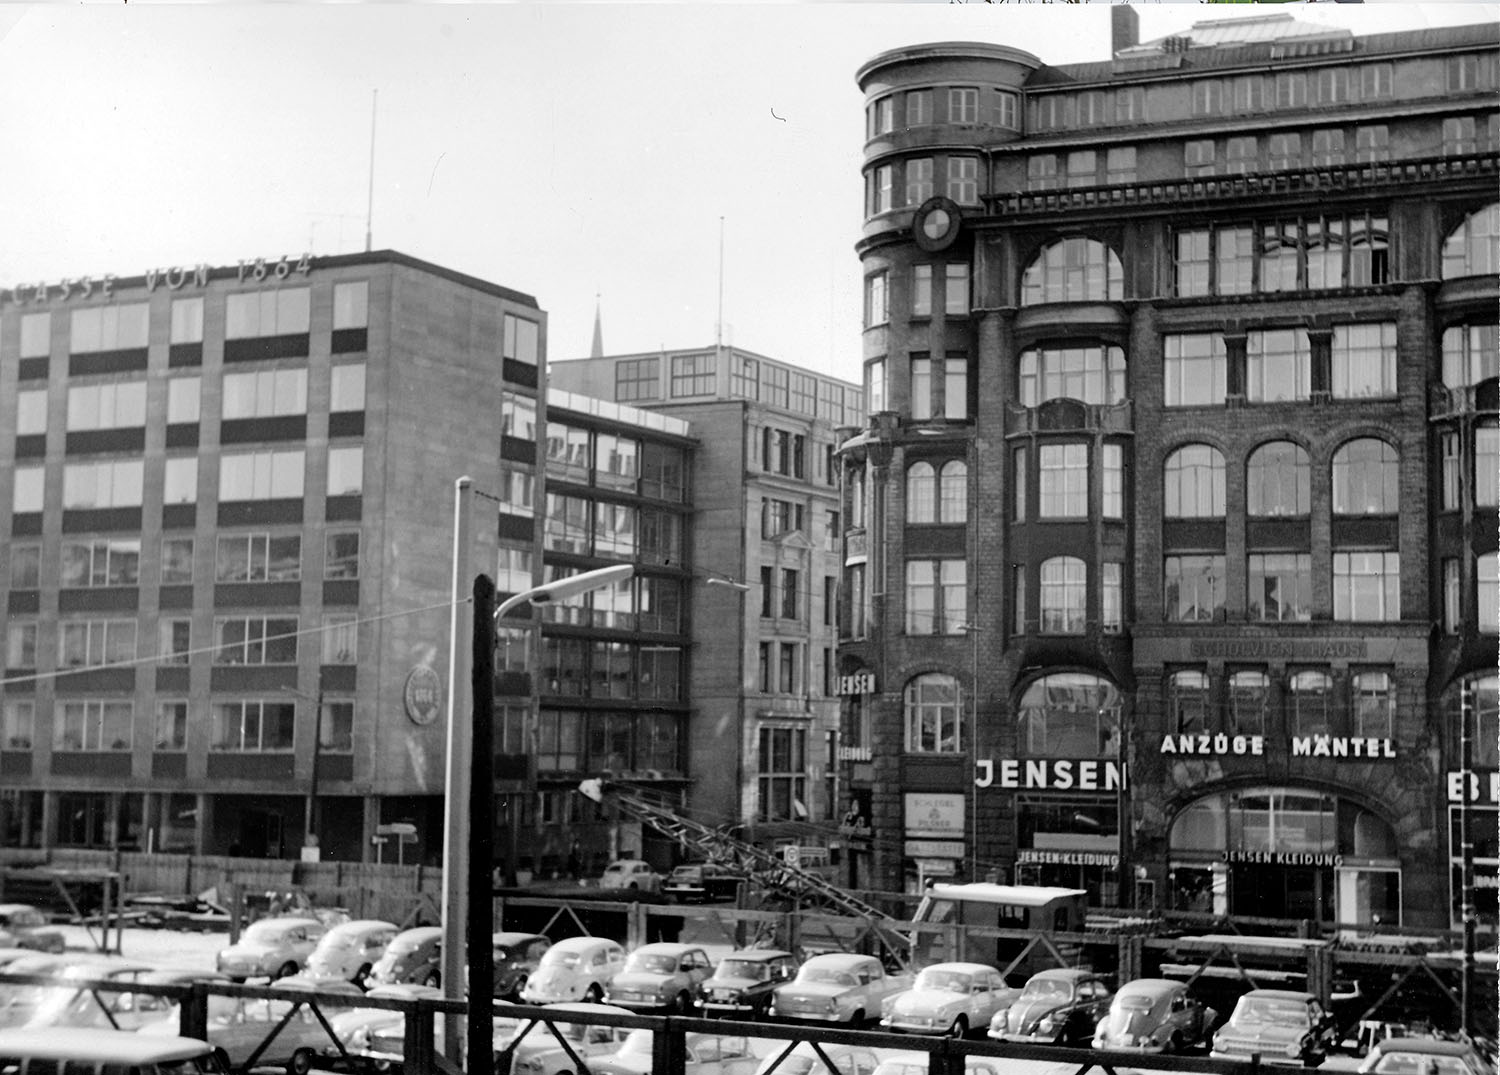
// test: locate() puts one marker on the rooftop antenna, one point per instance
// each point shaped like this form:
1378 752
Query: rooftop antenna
370 202
719 323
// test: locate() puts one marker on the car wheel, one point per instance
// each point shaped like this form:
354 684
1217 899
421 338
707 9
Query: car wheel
858 1018
1175 1044
301 1062
595 995
683 1004
959 1028
432 978
633 886
286 970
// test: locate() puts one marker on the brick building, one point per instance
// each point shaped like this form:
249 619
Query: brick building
1172 565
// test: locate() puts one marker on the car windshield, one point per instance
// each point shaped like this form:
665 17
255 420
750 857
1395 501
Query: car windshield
1252 1010
827 975
653 962
560 958
753 969
1404 1063
264 932
687 873
945 981
1046 989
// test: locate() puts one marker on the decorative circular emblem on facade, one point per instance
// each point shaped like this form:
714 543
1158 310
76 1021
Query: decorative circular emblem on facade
423 695
935 224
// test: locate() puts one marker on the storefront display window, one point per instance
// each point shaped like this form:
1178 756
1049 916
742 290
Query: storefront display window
1070 842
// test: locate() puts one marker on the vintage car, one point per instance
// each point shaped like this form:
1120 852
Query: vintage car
271 948
631 874
23 926
806 1058
517 956
1425 1056
704 1054
350 950
910 1063
68 1004
578 968
949 998
663 975
1281 1026
1154 1015
92 1049
838 987
741 985
534 1048
1057 1006
126 1011
414 955
355 1026
384 1044
18 1001
697 881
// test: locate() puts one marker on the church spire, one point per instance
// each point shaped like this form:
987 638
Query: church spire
597 351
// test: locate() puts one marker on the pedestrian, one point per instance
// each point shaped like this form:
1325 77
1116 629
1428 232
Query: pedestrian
575 861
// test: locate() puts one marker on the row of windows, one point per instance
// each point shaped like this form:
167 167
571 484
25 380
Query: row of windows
252 557
119 483
602 668
639 379
1364 473
258 394
960 105
245 726
589 457
1310 701
620 531
570 741
1366 586
237 640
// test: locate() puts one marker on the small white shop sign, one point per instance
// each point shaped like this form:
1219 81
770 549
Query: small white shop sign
933 849
1204 744
929 814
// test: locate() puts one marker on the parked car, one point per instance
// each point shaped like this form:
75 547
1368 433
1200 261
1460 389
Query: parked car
91 1049
579 968
355 1027
19 1001
910 1063
696 881
803 1059
1425 1056
271 948
1154 1015
839 987
534 1050
10 955
23 926
949 998
517 957
125 1011
663 975
350 950
241 1025
414 955
633 875
1281 1026
741 985
67 1004
704 1054
1059 1005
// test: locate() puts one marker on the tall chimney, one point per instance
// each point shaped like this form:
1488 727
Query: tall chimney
1124 28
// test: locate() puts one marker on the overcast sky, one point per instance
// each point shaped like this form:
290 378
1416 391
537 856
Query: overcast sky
566 150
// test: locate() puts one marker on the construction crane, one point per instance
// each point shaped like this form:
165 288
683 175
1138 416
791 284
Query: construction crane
771 873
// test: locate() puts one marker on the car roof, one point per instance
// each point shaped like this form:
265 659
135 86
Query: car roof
1154 986
286 920
1430 1046
167 975
627 862
93 1043
420 933
361 925
402 990
582 943
1070 974
589 1006
7 908
668 948
840 959
1280 994
759 953
961 967
513 937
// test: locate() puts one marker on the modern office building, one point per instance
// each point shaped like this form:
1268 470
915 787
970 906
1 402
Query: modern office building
765 566
226 495
1172 549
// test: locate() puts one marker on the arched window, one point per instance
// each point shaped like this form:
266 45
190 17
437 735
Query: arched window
1091 373
933 711
921 493
1310 694
1064 592
1279 480
1249 698
1365 474
1069 715
953 492
1073 270
1187 703
1194 483
1473 248
1471 353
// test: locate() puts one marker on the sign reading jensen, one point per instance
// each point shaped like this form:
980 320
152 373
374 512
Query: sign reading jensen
423 695
1060 774
859 683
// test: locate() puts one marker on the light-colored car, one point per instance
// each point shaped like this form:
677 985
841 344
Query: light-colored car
949 998
838 987
806 1058
386 1042
1153 1015
18 1002
126 1011
355 1027
741 985
1424 1056
350 950
575 969
535 1049
1282 1026
414 955
705 1054
68 1004
1060 1005
634 875
23 926
910 1063
662 975
271 948
241 1025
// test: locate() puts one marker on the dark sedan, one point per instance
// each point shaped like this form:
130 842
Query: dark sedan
1057 1007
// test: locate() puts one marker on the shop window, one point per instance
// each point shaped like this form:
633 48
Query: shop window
1310 693
1069 715
1473 248
1188 707
1278 481
1365 478
1193 479
1249 702
934 714
1194 588
1073 270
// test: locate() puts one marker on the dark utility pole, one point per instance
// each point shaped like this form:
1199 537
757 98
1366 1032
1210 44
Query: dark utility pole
481 1028
1467 912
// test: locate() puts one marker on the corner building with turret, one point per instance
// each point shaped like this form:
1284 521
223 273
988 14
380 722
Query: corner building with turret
1170 553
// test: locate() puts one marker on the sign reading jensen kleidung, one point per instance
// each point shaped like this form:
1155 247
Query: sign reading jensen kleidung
1285 858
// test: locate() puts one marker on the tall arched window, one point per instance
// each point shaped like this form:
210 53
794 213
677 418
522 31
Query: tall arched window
1365 474
1310 695
934 708
1069 715
953 492
1090 373
1064 594
1193 479
1279 480
921 493
1073 270
1473 248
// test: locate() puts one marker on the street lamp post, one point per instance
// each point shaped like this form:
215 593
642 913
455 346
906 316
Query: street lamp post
310 808
474 829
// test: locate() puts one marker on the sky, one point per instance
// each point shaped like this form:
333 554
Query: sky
607 156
